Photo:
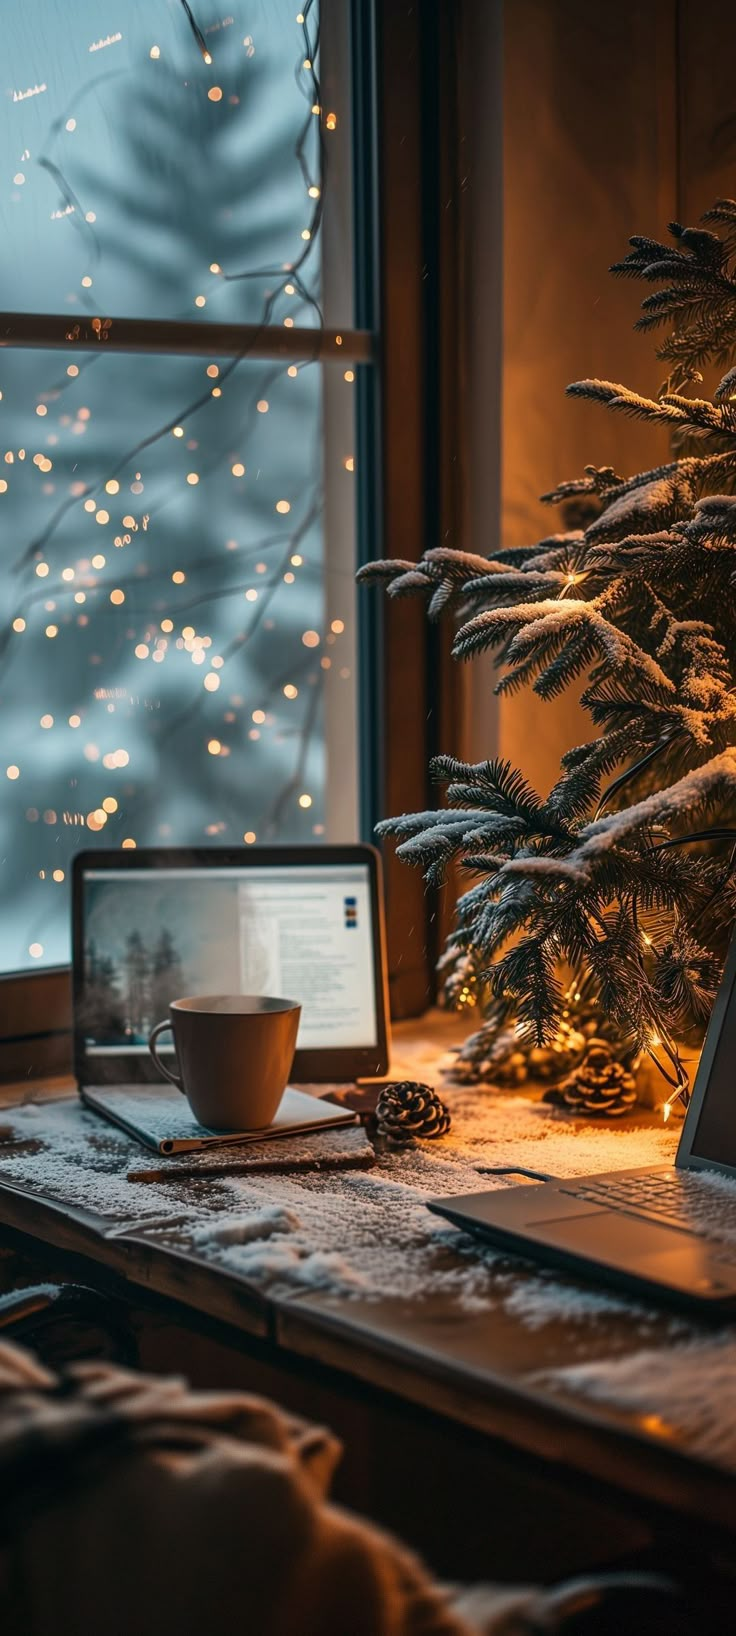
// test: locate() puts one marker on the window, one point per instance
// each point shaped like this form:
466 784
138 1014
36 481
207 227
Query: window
177 437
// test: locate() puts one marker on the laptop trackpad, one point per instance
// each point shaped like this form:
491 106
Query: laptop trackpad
628 1242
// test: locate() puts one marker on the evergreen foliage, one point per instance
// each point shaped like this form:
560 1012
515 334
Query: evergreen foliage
623 877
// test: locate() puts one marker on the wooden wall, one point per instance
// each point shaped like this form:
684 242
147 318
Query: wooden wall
616 118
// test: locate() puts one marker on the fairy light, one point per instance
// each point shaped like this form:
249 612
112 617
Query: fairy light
80 596
349 375
12 772
311 639
142 650
283 507
52 631
128 842
42 569
110 804
262 406
305 800
98 561
249 837
238 470
19 624
178 576
290 691
258 716
112 486
75 721
292 371
215 93
177 431
192 478
58 875
154 53
251 595
47 721
215 267
337 626
200 301
214 746
102 517
35 950
86 282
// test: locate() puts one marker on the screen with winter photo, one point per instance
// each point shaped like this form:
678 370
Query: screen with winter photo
152 936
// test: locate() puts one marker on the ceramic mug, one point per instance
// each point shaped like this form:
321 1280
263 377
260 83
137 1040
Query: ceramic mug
234 1054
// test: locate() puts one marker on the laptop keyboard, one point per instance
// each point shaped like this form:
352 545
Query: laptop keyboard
680 1198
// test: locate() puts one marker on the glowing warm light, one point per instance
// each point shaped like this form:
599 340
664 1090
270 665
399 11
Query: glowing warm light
19 178
167 624
35 950
292 371
306 233
98 561
200 301
288 323
249 837
86 282
178 577
187 632
102 517
311 639
666 1111
110 804
218 662
42 569
90 216
90 505
238 470
177 431
349 375
192 478
214 746
58 874
349 463
313 192
113 486
296 560
12 772
128 842
155 53
75 721
290 691
213 371
80 596
67 573
262 406
215 93
217 391
289 579
306 64
47 721
331 122
305 800
212 681
338 626
19 624
3 486
71 125
283 507
52 631
259 716
215 267
251 596
41 409
142 650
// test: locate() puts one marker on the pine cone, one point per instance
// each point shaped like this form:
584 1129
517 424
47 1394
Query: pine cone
600 1088
406 1109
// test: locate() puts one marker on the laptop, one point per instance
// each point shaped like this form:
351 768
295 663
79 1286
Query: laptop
303 923
668 1231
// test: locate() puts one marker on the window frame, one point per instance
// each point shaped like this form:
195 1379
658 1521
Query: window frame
406 250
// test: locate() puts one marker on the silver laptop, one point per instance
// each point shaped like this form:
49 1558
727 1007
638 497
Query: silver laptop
670 1231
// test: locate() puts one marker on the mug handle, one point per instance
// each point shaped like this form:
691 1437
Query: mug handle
162 1068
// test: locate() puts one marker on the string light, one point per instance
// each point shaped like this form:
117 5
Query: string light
305 800
215 93
12 772
283 507
19 624
249 837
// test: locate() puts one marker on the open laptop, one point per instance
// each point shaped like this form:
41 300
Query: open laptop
670 1231
303 923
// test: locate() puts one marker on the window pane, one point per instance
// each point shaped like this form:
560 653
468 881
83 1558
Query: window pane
178 614
141 181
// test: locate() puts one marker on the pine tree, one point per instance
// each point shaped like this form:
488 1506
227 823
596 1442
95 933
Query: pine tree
619 885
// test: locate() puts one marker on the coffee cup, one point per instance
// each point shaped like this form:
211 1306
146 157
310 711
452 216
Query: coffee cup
234 1054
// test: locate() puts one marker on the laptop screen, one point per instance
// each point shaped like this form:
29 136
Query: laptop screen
299 931
714 1139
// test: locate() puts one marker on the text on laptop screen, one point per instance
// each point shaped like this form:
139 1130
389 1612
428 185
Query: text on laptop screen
715 1132
300 933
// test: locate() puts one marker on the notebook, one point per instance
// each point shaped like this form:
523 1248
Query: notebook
161 1118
